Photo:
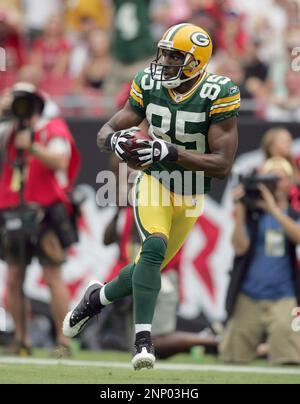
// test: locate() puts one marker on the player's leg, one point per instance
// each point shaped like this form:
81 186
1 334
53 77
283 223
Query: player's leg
153 210
143 278
95 298
185 215
146 284
154 223
163 223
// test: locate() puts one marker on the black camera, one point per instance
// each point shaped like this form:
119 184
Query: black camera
26 102
251 185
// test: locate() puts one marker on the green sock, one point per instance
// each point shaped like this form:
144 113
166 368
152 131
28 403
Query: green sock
121 286
146 280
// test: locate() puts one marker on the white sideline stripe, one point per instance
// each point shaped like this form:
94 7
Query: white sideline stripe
160 366
135 208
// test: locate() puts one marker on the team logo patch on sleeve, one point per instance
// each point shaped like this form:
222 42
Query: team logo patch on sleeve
233 90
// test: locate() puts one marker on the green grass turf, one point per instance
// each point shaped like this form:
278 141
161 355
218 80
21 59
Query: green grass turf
62 374
25 374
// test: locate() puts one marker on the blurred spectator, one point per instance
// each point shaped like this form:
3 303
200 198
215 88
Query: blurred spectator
5 104
52 51
259 34
97 64
225 66
266 19
223 22
97 11
11 40
233 68
167 13
254 66
80 45
11 5
265 284
280 67
286 108
292 8
133 46
231 36
278 142
37 13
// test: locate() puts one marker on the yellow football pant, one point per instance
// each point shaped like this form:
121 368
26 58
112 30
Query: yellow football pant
157 210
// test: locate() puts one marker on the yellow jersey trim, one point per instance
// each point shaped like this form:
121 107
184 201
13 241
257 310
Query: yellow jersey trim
136 98
227 99
136 87
225 109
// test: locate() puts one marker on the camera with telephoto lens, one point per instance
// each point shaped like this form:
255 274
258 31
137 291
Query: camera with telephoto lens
26 102
251 185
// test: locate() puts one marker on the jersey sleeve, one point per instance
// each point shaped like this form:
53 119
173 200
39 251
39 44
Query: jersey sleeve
227 104
136 97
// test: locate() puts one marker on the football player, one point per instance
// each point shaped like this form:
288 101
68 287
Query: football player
193 127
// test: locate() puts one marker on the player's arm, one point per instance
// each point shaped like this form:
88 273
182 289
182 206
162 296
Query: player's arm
118 131
223 142
124 119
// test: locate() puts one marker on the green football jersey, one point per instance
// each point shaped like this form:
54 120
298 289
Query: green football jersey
184 120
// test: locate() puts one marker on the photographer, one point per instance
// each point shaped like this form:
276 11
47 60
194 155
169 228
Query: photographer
40 162
278 142
265 283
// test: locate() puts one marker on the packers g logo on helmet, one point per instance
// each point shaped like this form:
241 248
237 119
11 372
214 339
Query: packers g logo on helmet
196 46
200 39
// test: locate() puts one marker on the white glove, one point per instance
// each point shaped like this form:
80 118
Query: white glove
156 151
115 142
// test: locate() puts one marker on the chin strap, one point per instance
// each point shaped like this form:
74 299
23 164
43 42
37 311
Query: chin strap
177 82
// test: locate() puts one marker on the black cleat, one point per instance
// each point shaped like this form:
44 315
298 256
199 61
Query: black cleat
76 320
144 355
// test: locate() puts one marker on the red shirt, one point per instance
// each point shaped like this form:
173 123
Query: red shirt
14 47
41 185
51 51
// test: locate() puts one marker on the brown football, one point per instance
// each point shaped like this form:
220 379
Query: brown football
131 145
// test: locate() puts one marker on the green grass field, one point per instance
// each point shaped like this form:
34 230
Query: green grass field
113 367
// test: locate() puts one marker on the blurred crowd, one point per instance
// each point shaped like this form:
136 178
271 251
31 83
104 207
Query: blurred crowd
81 52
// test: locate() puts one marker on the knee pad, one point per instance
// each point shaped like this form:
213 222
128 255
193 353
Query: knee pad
154 250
